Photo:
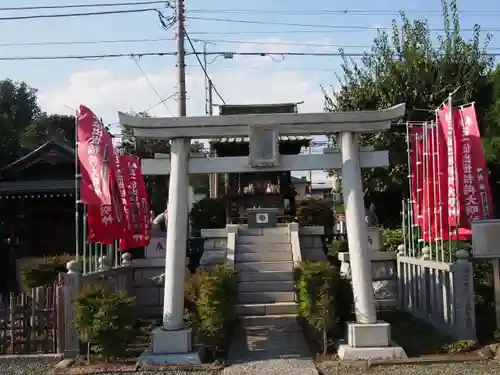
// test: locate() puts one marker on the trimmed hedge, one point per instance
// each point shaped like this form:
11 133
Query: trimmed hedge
325 301
212 295
105 320
35 272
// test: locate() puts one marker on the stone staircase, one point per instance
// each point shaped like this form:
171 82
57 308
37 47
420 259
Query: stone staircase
263 259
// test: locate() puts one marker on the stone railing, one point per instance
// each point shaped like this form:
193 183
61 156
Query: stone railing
219 245
293 234
440 293
384 277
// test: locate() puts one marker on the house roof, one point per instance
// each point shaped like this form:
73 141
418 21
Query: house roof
24 162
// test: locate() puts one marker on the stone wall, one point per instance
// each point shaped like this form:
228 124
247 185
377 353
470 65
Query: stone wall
311 243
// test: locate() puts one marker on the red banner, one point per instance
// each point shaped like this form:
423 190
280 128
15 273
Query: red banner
475 198
96 159
138 205
434 218
449 131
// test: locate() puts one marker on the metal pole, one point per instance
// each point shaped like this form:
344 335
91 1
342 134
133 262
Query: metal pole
77 194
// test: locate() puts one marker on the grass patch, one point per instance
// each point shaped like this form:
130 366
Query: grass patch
419 338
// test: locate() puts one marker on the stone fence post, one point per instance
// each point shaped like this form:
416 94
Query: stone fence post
463 291
71 282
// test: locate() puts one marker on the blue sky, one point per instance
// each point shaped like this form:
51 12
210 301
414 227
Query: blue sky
108 85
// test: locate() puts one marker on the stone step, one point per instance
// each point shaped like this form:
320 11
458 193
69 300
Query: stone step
269 256
263 231
266 286
281 276
265 297
263 240
259 309
281 322
263 266
261 248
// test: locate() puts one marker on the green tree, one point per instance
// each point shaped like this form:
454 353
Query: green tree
18 108
408 65
47 127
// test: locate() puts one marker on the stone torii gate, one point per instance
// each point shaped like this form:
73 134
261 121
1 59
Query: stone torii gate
367 337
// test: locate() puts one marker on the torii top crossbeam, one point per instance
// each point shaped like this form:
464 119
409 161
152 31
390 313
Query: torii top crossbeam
284 123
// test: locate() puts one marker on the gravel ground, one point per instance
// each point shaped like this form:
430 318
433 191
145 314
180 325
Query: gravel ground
467 368
27 366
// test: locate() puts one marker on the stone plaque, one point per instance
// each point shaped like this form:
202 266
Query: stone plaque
374 239
156 248
264 146
485 239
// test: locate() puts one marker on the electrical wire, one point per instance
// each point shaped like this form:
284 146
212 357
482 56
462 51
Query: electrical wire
73 6
220 53
83 14
343 12
222 41
202 66
162 101
330 27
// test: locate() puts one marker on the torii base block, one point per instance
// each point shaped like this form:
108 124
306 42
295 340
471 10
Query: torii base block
170 348
369 341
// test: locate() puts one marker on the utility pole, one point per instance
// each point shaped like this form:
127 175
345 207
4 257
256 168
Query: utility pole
210 100
181 54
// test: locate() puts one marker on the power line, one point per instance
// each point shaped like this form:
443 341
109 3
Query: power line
83 14
203 66
105 5
83 57
152 40
332 27
221 53
162 101
350 12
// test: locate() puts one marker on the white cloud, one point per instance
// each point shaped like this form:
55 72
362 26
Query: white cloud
106 93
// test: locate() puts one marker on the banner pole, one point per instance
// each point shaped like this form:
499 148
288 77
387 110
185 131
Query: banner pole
77 194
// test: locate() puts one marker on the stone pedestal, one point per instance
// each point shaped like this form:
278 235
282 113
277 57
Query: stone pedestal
262 217
170 348
369 341
171 342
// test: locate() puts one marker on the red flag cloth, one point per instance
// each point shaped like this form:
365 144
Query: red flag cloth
138 205
434 218
96 159
475 198
109 222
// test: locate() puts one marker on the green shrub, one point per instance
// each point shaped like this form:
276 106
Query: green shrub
208 213
35 272
391 238
325 300
214 292
105 320
318 212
